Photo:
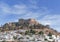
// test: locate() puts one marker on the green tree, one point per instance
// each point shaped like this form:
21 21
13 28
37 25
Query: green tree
14 37
45 39
41 33
32 31
50 34
3 41
27 32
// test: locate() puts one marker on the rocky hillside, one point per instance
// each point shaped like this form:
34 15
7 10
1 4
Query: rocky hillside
28 24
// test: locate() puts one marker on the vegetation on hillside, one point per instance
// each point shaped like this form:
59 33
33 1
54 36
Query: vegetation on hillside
26 24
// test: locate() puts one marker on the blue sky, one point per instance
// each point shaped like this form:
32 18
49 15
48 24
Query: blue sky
44 11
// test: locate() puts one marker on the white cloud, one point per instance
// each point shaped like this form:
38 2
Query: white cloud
32 15
52 20
16 9
34 2
22 9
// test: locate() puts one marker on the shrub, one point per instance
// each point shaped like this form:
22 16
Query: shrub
41 33
27 32
32 31
50 34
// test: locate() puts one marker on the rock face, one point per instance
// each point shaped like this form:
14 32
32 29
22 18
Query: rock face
33 21
28 24
30 21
